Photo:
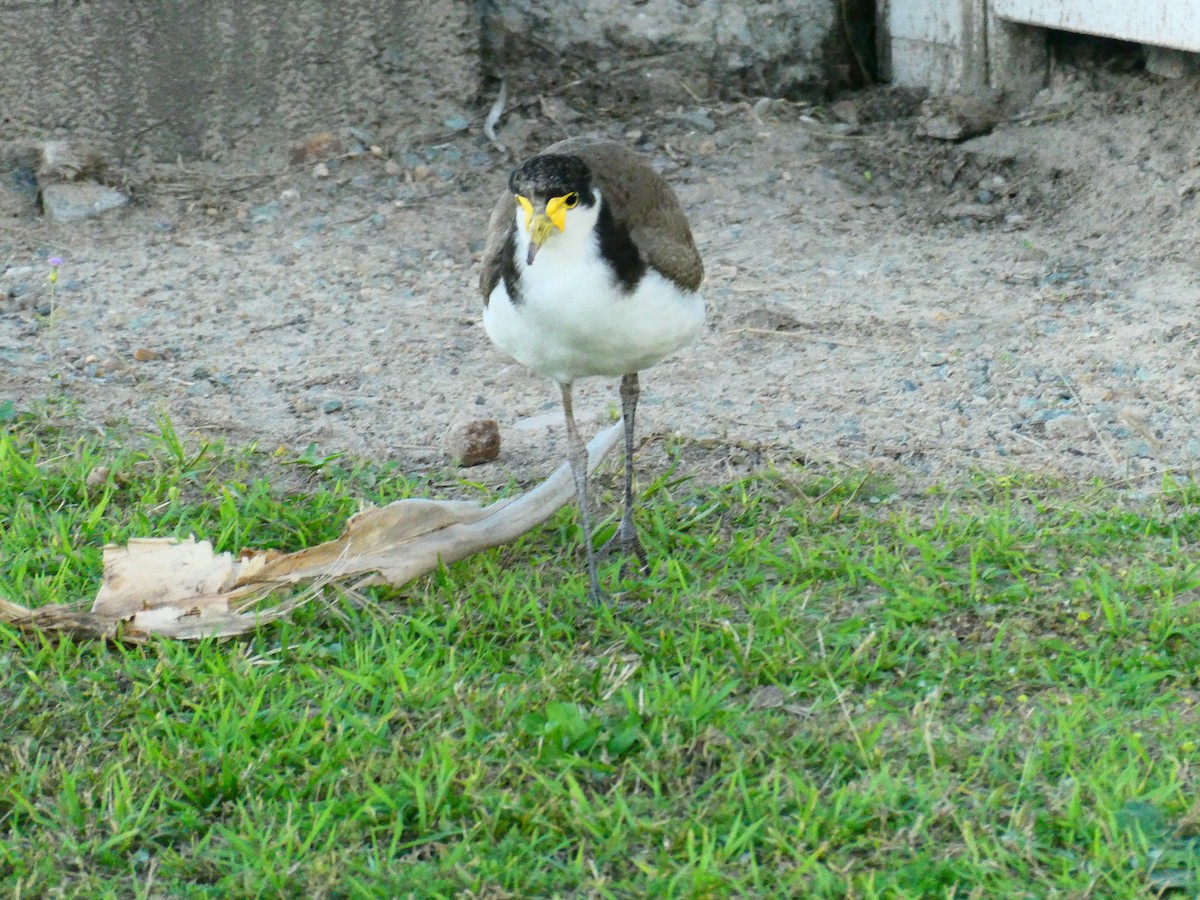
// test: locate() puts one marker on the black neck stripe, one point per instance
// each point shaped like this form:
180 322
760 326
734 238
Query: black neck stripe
618 248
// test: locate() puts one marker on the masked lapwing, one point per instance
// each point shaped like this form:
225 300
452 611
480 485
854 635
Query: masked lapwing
590 269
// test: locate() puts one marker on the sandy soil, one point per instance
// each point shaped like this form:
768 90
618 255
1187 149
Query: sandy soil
1025 299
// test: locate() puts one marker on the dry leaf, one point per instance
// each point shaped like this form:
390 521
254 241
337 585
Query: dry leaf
181 589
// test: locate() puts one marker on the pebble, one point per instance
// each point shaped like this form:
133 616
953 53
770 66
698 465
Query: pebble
1068 427
845 111
700 119
1139 449
979 212
316 147
81 200
267 212
332 406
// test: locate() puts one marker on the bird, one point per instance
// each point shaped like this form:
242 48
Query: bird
590 269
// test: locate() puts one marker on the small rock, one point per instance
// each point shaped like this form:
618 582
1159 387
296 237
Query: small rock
1068 427
457 122
1167 63
145 354
320 170
81 200
700 118
845 111
267 212
316 147
68 161
1029 253
956 117
332 406
18 187
560 112
475 443
768 696
979 212
97 476
985 197
1139 449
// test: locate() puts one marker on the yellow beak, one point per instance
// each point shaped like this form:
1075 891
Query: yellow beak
541 225
538 232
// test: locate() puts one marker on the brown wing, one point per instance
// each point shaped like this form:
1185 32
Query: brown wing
641 200
500 226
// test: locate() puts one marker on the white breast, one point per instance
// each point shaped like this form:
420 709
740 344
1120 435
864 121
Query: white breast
576 320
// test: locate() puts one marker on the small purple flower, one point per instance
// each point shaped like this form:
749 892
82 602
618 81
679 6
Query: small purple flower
55 261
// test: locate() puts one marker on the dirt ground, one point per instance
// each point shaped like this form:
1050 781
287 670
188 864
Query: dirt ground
1025 299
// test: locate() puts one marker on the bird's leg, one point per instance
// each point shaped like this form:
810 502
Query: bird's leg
578 457
626 533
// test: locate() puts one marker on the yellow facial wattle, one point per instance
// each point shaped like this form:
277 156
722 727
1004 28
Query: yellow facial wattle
556 212
528 207
541 225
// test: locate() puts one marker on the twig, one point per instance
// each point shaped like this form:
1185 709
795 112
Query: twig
493 116
294 320
1045 117
837 510
808 336
1112 454
837 692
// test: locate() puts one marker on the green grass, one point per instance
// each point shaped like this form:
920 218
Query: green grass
828 689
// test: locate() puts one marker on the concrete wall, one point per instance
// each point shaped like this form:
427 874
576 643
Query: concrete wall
1159 23
194 78
999 46
676 50
960 46
167 78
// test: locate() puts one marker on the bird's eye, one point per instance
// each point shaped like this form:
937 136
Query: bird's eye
571 200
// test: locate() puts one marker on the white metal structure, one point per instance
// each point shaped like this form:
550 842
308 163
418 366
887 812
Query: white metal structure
972 45
1161 23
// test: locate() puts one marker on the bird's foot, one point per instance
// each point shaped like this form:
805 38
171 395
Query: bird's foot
625 541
